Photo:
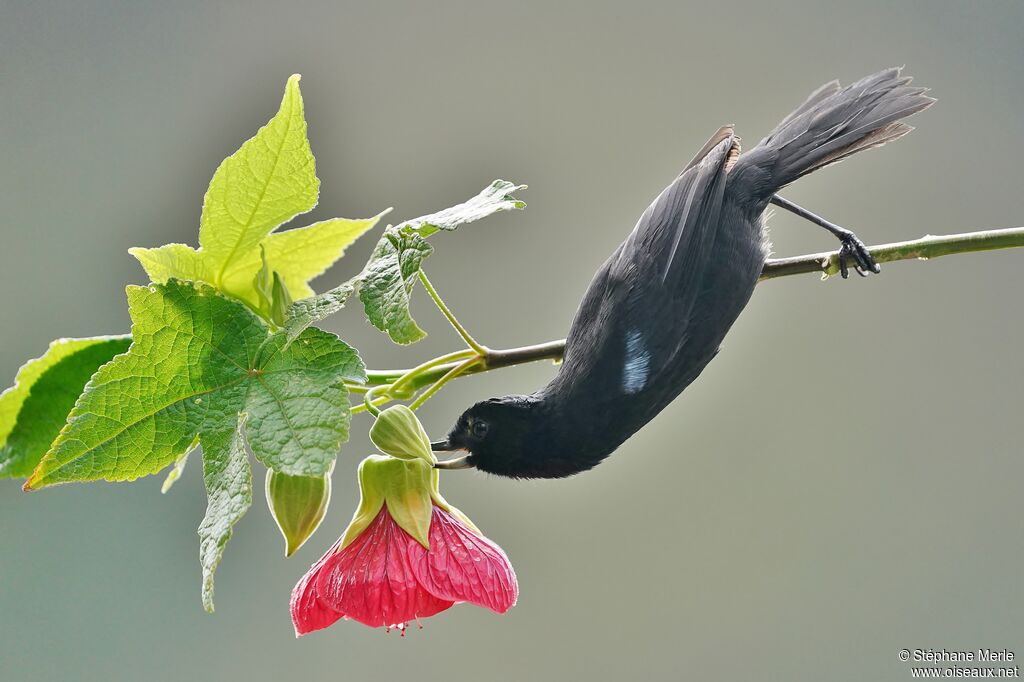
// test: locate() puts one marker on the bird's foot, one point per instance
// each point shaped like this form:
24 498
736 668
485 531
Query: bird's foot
853 249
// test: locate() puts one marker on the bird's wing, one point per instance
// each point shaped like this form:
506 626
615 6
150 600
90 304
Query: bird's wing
677 238
668 249
723 133
635 316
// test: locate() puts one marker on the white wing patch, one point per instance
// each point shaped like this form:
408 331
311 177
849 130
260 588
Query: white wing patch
637 363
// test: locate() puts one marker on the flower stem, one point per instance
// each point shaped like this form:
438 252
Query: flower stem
826 263
355 387
409 377
370 401
448 376
470 341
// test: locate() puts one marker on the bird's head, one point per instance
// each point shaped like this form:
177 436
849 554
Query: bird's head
499 435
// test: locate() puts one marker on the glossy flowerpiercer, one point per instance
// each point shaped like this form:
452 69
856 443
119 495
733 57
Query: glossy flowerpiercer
658 309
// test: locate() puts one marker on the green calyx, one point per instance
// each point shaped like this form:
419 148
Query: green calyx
404 485
409 488
399 433
298 505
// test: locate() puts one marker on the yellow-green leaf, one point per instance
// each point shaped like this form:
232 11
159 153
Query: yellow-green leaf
179 261
267 182
303 254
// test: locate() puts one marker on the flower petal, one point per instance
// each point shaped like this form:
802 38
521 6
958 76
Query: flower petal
464 566
371 581
308 613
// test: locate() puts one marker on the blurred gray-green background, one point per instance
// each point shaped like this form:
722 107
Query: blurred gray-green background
843 482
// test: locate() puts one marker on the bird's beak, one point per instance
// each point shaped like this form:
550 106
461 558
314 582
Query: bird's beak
447 446
457 463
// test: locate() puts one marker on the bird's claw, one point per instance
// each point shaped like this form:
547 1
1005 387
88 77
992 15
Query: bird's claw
854 249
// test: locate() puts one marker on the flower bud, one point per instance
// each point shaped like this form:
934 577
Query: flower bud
281 300
262 284
298 505
398 432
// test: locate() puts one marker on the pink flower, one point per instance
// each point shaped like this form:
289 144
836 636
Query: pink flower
385 577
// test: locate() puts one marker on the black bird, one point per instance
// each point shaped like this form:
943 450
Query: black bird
658 309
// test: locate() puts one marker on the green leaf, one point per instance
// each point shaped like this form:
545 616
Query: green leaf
298 408
12 399
228 480
33 411
178 469
303 313
267 182
198 360
494 198
387 282
389 276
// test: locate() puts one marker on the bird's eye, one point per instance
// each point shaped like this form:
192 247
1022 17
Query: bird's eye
478 428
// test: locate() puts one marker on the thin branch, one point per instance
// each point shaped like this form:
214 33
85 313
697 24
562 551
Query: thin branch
923 249
496 359
826 263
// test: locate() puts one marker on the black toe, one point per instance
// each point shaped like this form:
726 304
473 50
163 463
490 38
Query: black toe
853 250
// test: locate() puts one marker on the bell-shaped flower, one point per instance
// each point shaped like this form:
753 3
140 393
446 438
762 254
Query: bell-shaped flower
406 555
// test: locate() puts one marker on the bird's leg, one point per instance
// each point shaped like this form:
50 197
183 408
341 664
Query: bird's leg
852 246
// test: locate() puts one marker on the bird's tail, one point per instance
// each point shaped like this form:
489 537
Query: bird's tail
829 126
